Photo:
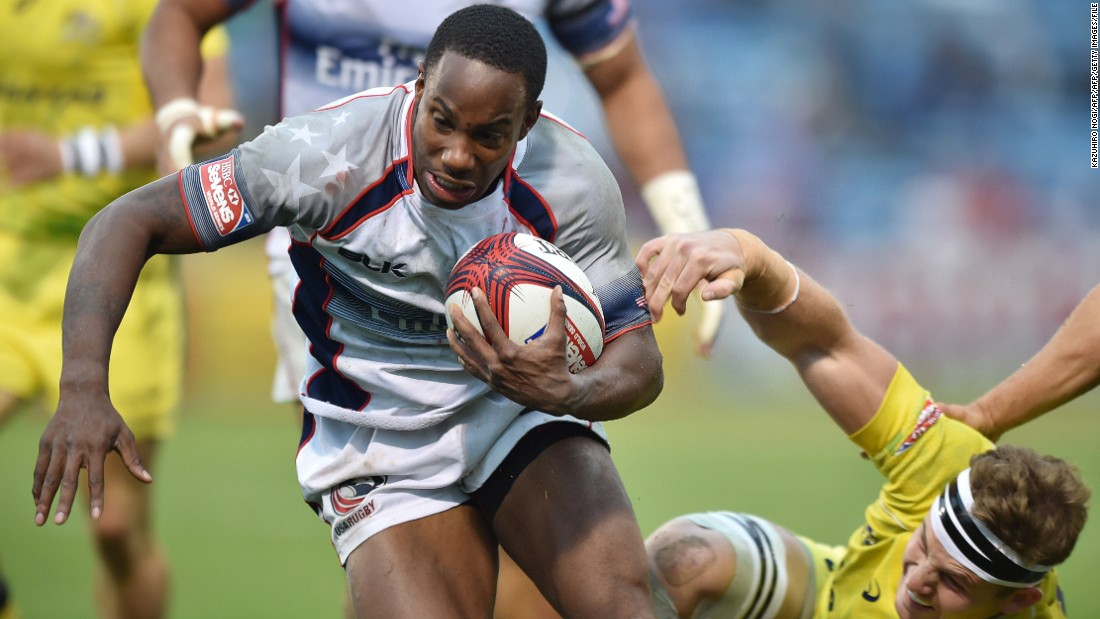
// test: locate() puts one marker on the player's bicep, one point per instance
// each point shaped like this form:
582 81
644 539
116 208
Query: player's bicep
157 212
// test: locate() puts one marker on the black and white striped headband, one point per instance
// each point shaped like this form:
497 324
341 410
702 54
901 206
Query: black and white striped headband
972 544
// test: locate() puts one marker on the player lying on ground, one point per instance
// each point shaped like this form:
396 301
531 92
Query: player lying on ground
959 529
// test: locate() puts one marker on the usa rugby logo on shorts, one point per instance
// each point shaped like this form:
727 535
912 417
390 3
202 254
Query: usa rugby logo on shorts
348 495
928 417
219 188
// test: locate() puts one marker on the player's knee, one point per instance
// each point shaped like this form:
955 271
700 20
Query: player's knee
687 563
119 539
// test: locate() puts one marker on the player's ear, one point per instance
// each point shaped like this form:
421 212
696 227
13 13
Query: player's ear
1021 599
530 118
419 86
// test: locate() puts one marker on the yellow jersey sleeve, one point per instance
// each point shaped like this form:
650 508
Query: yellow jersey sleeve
917 448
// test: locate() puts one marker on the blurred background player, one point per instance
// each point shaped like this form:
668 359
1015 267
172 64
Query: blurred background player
76 131
959 529
330 50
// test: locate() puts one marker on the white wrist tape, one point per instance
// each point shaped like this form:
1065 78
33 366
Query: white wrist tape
181 136
180 139
674 201
174 110
90 152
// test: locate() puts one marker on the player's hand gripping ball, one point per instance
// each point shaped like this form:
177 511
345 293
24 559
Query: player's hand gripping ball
518 273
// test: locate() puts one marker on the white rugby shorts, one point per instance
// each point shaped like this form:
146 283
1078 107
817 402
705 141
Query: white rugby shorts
363 480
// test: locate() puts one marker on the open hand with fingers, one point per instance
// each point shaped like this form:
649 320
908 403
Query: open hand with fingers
79 436
674 265
533 374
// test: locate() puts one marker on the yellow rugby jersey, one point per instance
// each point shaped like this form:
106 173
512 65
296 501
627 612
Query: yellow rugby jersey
919 451
64 65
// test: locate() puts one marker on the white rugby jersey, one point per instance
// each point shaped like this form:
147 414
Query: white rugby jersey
331 48
374 256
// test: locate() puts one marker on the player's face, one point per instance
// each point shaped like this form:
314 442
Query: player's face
468 119
934 585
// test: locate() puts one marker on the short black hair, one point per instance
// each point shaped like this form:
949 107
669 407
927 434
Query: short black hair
496 36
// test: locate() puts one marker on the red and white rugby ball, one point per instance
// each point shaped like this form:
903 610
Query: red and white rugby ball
518 273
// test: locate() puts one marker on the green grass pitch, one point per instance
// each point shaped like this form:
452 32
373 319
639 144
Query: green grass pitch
243 544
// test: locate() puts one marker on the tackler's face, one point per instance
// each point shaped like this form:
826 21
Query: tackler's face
468 118
934 585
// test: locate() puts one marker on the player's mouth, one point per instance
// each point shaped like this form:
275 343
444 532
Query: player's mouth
450 191
917 602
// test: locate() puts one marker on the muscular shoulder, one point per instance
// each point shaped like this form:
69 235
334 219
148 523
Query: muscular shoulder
313 164
563 167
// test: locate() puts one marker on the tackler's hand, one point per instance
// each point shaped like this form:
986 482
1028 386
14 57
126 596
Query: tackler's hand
675 265
974 416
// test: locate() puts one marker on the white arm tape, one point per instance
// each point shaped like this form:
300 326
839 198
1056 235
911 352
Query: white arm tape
180 140
181 136
89 152
674 201
174 110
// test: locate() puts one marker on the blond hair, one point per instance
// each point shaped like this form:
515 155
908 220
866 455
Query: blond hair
1036 504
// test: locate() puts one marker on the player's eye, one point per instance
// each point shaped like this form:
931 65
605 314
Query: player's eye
490 139
441 123
953 583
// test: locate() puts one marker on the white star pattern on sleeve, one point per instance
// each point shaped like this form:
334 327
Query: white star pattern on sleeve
288 185
341 119
337 163
304 134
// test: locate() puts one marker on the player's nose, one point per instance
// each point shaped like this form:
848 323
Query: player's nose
458 155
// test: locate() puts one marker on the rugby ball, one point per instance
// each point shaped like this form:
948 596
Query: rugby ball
518 273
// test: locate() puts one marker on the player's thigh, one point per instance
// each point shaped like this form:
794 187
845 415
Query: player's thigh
721 564
8 404
443 565
517 596
568 523
32 292
148 351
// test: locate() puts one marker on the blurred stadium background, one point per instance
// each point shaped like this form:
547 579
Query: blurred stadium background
927 161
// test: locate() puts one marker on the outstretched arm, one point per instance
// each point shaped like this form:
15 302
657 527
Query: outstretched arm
790 312
647 141
1066 367
112 250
